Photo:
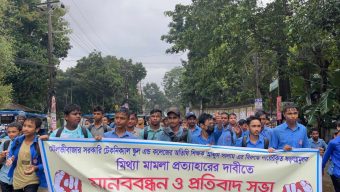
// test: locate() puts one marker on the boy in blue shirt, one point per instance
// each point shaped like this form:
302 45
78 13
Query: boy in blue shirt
13 130
72 129
25 160
207 125
315 141
333 151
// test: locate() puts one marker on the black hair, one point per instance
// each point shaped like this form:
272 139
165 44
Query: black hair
252 118
242 122
71 107
124 110
338 123
232 114
259 113
156 111
36 121
225 113
133 114
98 109
311 131
16 125
289 106
203 117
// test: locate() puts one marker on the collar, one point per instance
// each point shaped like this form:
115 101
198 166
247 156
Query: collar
126 134
260 140
148 128
297 127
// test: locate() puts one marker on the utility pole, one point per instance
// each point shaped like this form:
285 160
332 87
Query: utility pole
51 101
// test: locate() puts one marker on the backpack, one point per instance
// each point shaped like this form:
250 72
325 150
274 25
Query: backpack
244 142
182 138
83 129
104 126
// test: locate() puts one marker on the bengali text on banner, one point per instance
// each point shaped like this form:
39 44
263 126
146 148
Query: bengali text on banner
135 165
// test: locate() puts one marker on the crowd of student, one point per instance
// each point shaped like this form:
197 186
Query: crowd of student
22 168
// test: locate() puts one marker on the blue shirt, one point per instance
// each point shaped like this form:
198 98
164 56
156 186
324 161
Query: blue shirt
296 138
164 135
35 158
5 169
198 139
259 143
73 134
319 144
267 133
333 151
228 138
217 133
126 135
196 131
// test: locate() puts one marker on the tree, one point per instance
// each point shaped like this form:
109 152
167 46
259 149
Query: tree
6 55
98 80
28 28
171 83
154 97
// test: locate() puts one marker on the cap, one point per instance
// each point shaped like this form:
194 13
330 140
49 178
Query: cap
174 110
190 114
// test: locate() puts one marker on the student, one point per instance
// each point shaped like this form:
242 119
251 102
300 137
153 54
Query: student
174 133
13 130
131 126
290 134
254 139
151 131
333 152
121 122
229 136
192 124
72 129
266 132
206 123
315 141
98 127
27 169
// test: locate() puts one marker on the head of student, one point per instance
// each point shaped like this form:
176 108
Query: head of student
232 119
262 115
206 121
155 117
72 115
98 114
291 113
243 124
122 118
191 119
315 134
13 130
224 118
133 119
174 116
254 125
31 126
21 117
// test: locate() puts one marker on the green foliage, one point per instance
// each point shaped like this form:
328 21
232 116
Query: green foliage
171 83
154 97
28 29
98 80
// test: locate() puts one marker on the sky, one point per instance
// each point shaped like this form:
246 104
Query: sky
130 29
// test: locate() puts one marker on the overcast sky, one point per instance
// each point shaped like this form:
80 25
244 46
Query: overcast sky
123 28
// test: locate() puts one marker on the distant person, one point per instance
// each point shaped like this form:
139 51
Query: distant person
192 124
121 122
105 120
165 122
205 137
151 131
21 118
315 141
266 131
13 130
131 126
174 133
140 123
98 127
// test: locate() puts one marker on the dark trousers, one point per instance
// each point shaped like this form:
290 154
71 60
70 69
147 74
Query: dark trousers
28 188
336 183
6 187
